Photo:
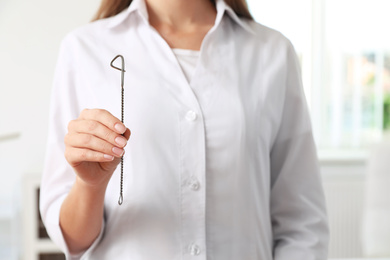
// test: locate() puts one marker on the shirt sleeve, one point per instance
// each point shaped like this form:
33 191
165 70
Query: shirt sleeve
58 177
299 221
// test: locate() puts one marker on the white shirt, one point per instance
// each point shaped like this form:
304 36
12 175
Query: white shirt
187 60
223 167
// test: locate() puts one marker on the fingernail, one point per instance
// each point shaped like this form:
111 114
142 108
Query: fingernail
121 141
108 157
120 128
117 151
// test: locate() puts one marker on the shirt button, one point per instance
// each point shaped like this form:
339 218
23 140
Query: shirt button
194 185
191 115
194 250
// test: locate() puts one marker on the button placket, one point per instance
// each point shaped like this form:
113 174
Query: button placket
193 184
193 197
191 115
194 250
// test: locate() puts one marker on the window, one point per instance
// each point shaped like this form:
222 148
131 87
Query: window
344 49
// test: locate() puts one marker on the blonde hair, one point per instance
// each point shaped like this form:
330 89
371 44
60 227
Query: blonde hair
110 8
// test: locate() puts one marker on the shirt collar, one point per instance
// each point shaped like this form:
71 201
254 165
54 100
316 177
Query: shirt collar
223 8
135 6
139 6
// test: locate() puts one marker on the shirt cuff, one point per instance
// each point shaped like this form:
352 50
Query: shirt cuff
84 255
53 228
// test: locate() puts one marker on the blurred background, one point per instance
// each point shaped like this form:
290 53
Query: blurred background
344 50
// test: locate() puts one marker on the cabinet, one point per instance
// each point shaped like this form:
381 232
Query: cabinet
36 243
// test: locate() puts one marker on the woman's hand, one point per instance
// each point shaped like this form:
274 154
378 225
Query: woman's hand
94 145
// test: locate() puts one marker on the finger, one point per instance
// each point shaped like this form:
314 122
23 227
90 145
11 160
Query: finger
74 156
127 133
92 127
104 117
86 141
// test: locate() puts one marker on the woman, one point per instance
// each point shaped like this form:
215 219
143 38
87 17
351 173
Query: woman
221 162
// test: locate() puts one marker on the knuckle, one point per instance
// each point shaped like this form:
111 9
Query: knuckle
86 140
83 155
96 156
66 139
71 125
104 114
69 155
84 111
108 135
106 148
99 112
92 125
66 154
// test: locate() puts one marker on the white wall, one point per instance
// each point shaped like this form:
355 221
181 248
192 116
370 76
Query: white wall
30 34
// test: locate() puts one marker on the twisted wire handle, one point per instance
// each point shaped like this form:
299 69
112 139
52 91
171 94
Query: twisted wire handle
122 69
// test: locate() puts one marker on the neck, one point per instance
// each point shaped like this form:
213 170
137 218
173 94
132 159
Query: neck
180 15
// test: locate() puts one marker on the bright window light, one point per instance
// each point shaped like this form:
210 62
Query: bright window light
344 50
